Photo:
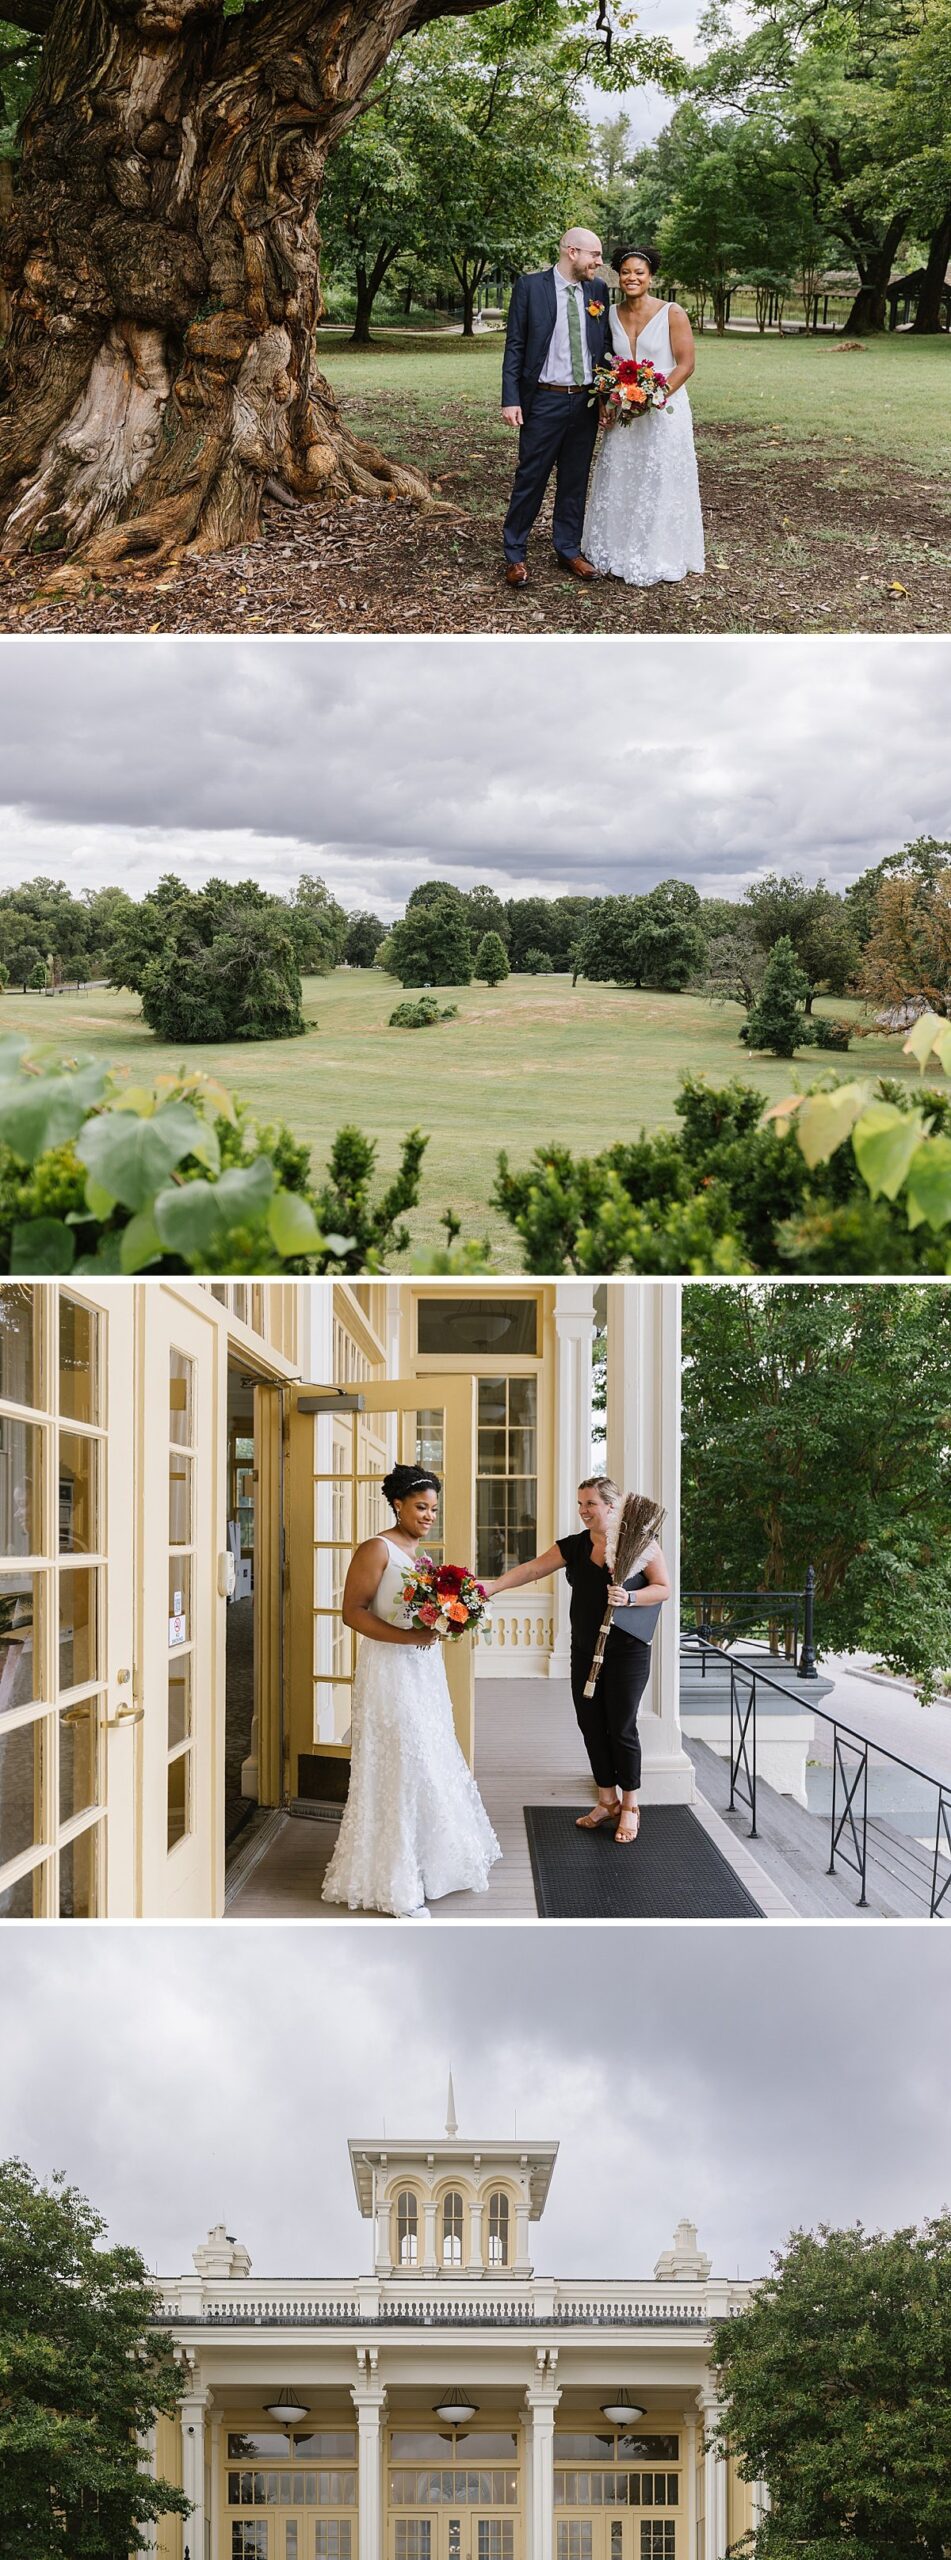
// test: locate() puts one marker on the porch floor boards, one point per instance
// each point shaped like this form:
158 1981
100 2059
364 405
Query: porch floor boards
528 1751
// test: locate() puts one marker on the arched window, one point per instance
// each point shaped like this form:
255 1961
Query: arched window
407 2229
452 2231
498 2229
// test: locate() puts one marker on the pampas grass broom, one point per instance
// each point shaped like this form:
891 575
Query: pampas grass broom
633 1528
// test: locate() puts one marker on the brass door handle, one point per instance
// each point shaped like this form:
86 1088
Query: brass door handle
126 1715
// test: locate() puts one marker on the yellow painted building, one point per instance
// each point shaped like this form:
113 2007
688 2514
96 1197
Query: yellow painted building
185 1468
449 2404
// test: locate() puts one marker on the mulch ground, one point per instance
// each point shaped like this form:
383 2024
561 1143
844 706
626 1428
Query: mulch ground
797 540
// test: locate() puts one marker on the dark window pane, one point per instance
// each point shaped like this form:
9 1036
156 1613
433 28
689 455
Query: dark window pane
19 1380
79 1362
22 1599
78 1876
21 1798
78 1495
21 1513
458 1327
78 1628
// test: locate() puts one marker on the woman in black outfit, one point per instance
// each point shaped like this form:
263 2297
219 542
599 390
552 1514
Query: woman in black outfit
608 1721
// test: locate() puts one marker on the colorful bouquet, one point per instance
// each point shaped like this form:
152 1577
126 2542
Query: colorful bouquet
444 1597
629 386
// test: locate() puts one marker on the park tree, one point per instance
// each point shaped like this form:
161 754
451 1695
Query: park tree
491 960
818 925
485 913
227 971
431 945
815 1432
777 1019
161 266
654 941
906 964
835 2388
538 964
317 926
921 862
83 2376
364 936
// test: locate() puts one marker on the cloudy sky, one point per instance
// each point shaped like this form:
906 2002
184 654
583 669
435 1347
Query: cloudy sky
751 2079
537 765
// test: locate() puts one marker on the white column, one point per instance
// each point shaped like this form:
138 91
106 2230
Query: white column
542 2398
475 2235
574 1334
194 2405
214 2501
148 2441
643 1445
714 2482
429 2236
690 2483
759 2496
526 2432
522 2242
369 2400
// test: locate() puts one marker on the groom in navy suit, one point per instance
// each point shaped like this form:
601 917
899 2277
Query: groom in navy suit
558 330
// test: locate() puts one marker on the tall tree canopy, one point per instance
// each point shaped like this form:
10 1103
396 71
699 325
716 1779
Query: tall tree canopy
161 262
83 2375
817 1430
835 2387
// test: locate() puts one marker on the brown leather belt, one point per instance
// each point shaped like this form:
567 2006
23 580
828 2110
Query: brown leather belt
564 386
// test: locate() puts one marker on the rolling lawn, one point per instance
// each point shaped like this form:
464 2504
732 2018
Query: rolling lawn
526 1063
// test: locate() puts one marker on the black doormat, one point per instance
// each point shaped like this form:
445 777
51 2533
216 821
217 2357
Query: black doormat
672 1871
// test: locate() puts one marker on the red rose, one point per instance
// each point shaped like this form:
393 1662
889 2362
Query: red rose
451 1577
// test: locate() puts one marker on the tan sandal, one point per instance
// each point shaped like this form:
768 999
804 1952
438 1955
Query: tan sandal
599 1813
629 1813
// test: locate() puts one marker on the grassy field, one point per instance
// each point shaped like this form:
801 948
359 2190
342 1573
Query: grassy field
525 1063
890 397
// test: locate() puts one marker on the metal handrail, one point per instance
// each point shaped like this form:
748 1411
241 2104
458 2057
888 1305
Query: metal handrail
803 1654
850 1819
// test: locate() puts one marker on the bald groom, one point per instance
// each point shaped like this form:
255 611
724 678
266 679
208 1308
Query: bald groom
558 329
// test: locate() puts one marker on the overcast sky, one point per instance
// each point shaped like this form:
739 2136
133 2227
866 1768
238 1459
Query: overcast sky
537 765
752 2079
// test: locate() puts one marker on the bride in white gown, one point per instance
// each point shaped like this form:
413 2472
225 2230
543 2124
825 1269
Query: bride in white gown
414 1825
643 521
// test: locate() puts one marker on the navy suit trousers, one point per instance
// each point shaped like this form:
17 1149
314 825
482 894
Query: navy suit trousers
559 435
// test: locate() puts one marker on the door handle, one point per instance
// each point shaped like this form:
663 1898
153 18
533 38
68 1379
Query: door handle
126 1715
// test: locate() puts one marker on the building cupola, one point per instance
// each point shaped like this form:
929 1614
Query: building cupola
452 2209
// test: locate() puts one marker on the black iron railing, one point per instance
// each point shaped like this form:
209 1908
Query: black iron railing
851 1752
721 1619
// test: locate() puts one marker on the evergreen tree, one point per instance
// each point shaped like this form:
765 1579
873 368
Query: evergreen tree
491 960
778 1021
430 947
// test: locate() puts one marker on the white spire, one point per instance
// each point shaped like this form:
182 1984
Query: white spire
451 2125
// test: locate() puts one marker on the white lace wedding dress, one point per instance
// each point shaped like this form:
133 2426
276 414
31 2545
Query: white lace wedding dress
643 521
414 1825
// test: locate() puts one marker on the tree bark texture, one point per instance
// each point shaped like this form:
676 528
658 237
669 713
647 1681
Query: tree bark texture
161 263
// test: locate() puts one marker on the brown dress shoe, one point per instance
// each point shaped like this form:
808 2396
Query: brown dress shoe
579 567
516 574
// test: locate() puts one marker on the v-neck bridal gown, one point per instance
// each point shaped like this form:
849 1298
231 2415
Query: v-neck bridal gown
643 521
414 1825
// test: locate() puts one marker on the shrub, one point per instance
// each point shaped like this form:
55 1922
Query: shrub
829 1034
778 1022
37 976
491 960
417 1016
97 1176
538 964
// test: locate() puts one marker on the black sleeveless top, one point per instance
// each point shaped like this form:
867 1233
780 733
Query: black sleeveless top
590 1584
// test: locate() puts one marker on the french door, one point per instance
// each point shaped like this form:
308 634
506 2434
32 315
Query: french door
462 2534
181 1604
617 2537
336 1459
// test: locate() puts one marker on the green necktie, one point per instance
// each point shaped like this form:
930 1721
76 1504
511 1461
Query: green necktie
574 337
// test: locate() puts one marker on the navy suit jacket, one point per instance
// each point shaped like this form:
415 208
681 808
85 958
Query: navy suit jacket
531 320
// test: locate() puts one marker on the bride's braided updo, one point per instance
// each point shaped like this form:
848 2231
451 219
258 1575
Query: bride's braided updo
403 1481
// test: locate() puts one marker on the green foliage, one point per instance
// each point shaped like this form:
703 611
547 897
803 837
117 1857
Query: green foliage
364 936
731 1193
818 924
654 941
551 925
97 1176
827 1033
777 1021
430 947
902 1153
83 2374
491 960
538 964
835 2386
37 976
815 1432
420 1015
218 963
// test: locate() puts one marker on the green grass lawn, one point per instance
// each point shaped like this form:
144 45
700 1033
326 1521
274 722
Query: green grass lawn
893 397
525 1063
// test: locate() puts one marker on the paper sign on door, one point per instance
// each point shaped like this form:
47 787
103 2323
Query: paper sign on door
177 1625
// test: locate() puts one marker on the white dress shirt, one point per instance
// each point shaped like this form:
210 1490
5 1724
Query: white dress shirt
557 365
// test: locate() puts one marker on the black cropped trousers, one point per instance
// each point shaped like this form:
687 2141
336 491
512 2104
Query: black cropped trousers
608 1721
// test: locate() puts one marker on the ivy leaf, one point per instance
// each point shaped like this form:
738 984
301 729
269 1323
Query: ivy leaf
99 1202
188 1220
825 1120
140 1242
130 1157
42 1248
921 1037
37 1112
244 1191
885 1140
929 1183
292 1226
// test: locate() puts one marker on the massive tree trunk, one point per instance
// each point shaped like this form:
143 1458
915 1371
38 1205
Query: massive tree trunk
929 315
162 267
869 312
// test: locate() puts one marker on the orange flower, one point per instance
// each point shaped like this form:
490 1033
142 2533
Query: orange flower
457 1611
